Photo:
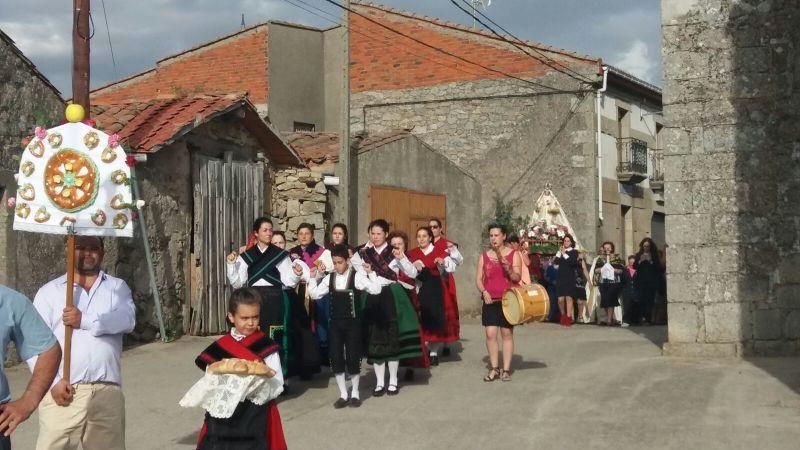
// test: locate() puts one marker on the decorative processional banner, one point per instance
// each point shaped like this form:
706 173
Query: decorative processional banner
74 178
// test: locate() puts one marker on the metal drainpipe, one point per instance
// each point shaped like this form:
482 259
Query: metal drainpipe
600 145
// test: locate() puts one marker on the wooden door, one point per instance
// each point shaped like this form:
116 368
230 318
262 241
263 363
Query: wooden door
228 197
405 209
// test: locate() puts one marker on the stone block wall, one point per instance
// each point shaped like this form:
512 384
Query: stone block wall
732 163
512 140
299 195
27 99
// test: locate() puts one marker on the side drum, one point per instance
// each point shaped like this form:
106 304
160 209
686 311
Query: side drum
526 304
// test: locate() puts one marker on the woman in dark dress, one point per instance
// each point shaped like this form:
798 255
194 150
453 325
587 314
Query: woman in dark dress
649 274
567 261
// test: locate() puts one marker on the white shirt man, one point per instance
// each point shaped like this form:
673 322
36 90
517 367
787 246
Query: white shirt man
89 408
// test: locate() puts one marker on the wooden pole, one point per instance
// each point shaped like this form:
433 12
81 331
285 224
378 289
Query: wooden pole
80 54
80 96
347 187
70 302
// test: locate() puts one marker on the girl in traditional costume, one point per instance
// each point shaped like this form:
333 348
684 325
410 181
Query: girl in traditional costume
392 327
440 241
251 426
345 286
399 240
438 311
267 269
309 321
339 236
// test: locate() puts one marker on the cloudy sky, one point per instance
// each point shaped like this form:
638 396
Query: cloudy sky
625 33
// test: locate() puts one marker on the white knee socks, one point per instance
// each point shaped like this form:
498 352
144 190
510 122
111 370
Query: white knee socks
342 385
393 367
380 373
355 379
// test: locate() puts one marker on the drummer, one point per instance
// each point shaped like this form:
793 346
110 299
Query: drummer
513 242
499 268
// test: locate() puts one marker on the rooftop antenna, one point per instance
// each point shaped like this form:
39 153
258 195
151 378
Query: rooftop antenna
243 20
485 4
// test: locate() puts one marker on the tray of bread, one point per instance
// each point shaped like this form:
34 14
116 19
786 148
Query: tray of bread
235 366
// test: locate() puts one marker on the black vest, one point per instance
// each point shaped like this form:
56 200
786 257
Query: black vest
343 303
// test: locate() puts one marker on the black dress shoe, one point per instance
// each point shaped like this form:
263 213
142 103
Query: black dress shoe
434 360
446 351
355 402
340 403
285 390
409 375
379 392
393 392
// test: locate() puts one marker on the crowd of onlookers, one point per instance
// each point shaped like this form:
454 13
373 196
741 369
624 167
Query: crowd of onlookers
637 284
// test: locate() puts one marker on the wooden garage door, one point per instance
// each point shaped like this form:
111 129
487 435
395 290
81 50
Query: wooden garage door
406 210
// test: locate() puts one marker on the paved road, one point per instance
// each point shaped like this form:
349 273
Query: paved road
584 387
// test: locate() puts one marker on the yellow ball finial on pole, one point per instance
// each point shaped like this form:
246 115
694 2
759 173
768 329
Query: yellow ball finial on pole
75 113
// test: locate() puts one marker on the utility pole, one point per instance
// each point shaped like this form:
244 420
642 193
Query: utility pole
348 187
80 54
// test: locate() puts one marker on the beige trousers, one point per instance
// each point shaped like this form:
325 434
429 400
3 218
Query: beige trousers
94 420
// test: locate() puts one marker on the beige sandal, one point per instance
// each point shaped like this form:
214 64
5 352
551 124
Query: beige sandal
506 375
492 375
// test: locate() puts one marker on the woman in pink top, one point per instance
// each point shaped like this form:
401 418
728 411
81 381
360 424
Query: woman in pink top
499 268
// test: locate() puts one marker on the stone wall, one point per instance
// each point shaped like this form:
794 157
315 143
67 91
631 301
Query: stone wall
27 99
298 196
732 161
409 164
510 138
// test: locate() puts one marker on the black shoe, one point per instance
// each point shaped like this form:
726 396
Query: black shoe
393 392
340 403
446 351
355 402
409 376
379 392
434 360
285 390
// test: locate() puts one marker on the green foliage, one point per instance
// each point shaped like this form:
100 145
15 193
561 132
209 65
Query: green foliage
505 214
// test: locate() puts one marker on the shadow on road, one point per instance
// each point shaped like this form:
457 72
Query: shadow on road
518 363
657 334
784 369
190 439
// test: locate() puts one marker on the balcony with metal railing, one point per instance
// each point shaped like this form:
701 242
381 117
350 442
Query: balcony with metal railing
657 173
632 157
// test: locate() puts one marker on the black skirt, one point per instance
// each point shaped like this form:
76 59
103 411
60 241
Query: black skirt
244 430
492 315
609 294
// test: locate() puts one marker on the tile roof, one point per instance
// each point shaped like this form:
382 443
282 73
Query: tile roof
233 63
148 126
460 27
322 149
316 149
375 140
